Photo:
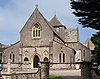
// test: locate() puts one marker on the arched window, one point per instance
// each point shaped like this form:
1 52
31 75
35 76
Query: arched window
26 60
36 31
60 57
63 57
12 57
45 59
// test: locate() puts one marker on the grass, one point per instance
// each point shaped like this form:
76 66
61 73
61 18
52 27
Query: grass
55 77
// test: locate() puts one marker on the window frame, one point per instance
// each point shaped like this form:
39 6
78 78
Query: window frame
36 31
62 58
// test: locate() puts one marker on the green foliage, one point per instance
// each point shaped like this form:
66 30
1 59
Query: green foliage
55 77
96 40
0 54
1 49
88 12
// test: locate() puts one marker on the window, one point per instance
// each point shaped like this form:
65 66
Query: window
26 60
63 57
45 59
84 55
57 29
60 57
12 57
36 31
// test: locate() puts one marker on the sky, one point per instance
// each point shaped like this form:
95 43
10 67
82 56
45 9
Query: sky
15 13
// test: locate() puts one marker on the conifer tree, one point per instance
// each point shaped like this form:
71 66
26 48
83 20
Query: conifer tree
88 12
96 40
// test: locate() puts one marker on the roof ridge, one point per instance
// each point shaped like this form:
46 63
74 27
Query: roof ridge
51 27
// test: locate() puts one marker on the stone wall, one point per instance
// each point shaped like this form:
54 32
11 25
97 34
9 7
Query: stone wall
62 66
41 73
86 70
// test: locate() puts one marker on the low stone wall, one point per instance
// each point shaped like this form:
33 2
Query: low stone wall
38 73
62 66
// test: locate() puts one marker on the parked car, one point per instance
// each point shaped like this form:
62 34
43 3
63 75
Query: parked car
94 65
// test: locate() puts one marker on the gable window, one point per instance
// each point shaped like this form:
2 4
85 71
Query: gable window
36 31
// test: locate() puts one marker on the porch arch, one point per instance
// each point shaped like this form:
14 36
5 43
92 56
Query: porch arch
35 60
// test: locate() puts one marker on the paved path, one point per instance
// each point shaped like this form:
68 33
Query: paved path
67 74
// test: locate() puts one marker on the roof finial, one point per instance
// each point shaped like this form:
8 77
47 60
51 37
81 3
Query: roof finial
36 6
55 12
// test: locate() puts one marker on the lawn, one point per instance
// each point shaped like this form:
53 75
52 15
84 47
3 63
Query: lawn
55 77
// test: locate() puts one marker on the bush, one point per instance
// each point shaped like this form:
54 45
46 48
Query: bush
55 77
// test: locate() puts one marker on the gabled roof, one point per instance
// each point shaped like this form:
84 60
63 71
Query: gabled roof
89 44
55 21
36 14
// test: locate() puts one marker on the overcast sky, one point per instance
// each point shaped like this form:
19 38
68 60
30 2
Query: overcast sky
15 13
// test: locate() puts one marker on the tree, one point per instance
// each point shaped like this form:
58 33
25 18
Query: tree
96 40
88 12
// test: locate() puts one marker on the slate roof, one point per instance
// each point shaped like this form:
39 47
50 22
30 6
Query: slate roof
55 21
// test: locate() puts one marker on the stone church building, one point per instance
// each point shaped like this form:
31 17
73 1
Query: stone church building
42 40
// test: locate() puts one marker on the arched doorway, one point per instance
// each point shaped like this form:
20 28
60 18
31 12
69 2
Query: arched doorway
36 61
